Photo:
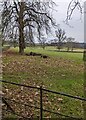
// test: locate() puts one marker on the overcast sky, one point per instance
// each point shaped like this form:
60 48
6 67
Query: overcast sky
77 25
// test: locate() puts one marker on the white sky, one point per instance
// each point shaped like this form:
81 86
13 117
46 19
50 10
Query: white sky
77 31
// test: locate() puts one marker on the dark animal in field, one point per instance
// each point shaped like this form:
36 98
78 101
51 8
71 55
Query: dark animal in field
36 54
27 54
31 54
44 56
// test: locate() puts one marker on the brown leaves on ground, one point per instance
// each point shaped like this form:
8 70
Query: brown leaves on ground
30 70
38 66
23 100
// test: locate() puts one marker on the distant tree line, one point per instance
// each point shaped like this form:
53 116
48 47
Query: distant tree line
65 44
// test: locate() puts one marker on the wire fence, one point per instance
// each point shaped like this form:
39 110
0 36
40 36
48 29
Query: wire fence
41 90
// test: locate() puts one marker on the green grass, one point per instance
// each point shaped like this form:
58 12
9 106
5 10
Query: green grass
50 51
62 72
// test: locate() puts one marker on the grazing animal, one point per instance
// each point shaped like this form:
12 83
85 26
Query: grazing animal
27 54
37 54
31 53
44 56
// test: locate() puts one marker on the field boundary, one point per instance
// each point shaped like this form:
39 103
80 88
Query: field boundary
41 101
67 51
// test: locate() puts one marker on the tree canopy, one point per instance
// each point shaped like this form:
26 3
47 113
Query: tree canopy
26 20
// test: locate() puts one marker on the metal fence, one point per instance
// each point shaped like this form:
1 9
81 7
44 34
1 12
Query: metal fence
41 101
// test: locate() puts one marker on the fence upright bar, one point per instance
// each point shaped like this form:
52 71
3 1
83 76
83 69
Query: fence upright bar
41 107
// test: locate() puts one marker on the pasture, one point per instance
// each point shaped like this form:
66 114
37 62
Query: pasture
61 71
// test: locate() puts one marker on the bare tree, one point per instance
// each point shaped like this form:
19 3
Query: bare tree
70 43
26 17
60 34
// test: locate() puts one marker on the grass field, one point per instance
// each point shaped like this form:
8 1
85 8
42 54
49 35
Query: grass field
61 71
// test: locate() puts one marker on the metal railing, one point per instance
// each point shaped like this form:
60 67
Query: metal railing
41 100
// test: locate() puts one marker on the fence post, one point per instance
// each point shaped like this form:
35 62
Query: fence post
41 103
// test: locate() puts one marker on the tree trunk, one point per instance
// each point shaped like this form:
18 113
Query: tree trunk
72 49
21 29
21 48
59 46
67 48
43 47
21 41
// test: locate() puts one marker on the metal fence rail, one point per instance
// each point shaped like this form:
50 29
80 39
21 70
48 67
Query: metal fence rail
41 99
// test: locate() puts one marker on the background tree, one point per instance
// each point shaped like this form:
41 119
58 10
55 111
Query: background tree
60 34
70 43
26 17
43 42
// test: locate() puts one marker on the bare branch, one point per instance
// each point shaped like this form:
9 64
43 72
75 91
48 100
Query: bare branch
72 6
